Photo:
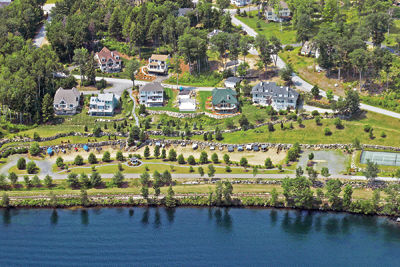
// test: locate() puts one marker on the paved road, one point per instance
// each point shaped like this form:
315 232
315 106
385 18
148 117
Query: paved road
299 82
39 38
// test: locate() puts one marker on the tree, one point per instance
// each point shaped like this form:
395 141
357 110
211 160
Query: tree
48 181
315 91
156 152
243 122
95 179
97 131
223 4
169 199
227 159
131 68
92 159
27 181
242 69
325 172
84 198
268 163
347 194
163 153
78 160
106 157
13 178
329 95
114 25
203 158
119 156
21 164
118 179
245 45
227 191
243 162
214 158
191 160
31 167
255 171
166 177
333 189
34 150
359 59
175 66
84 181
218 193
47 108
172 155
274 197
371 171
60 162
35 181
286 74
201 171
146 152
211 170
72 180
377 25
80 58
5 200
181 159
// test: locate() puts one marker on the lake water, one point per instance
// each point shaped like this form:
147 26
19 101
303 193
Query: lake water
195 237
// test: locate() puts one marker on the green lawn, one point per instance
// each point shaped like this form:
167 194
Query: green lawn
171 98
286 36
208 79
313 134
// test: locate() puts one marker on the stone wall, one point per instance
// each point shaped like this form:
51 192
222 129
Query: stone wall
190 115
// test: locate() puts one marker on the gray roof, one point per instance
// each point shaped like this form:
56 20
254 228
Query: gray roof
224 95
152 87
274 91
185 92
70 96
233 80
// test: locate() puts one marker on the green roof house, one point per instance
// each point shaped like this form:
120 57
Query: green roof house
224 101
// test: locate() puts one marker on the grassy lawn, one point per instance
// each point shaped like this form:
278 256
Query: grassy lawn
21 172
286 36
171 98
207 79
76 123
202 98
134 188
305 68
313 134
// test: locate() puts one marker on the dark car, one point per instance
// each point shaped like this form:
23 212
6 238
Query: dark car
231 149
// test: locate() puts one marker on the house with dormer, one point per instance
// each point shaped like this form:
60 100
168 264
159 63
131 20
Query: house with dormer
158 64
109 61
66 101
270 94
283 14
224 101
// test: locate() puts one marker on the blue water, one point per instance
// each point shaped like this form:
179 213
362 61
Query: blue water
195 237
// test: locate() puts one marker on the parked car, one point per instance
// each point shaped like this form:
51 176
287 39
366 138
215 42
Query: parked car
231 148
249 147
264 148
240 148
256 148
212 147
195 146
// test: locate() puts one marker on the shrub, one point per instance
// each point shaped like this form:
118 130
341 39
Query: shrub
181 159
338 123
288 48
31 167
367 128
228 169
78 160
214 158
34 149
191 160
106 157
92 159
60 162
327 131
268 163
21 164
36 136
120 156
315 113
203 157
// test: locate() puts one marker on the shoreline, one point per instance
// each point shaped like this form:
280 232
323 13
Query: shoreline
188 202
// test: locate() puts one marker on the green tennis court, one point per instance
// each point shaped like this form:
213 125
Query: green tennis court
381 158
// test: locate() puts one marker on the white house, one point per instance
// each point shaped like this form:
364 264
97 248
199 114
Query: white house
232 82
158 64
103 104
270 94
108 61
282 15
240 2
66 101
152 95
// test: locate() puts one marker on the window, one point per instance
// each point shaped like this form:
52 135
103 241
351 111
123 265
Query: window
71 105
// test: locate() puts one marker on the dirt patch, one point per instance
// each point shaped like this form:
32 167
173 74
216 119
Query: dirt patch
254 158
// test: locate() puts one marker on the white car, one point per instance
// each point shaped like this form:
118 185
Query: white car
195 146
249 147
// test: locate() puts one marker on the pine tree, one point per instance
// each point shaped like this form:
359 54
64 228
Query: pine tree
169 199
47 108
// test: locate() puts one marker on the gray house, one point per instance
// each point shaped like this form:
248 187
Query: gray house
66 101
152 95
103 104
270 94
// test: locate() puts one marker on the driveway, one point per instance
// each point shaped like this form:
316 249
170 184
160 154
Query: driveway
40 36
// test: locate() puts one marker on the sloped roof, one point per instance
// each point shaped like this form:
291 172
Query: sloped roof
233 80
152 87
226 95
159 57
274 91
107 54
70 96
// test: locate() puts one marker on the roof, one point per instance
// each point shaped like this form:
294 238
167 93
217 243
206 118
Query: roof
185 92
183 11
151 87
226 95
70 96
159 57
234 80
274 91
102 98
107 54
213 33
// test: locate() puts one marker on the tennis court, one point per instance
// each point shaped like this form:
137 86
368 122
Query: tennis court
381 158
